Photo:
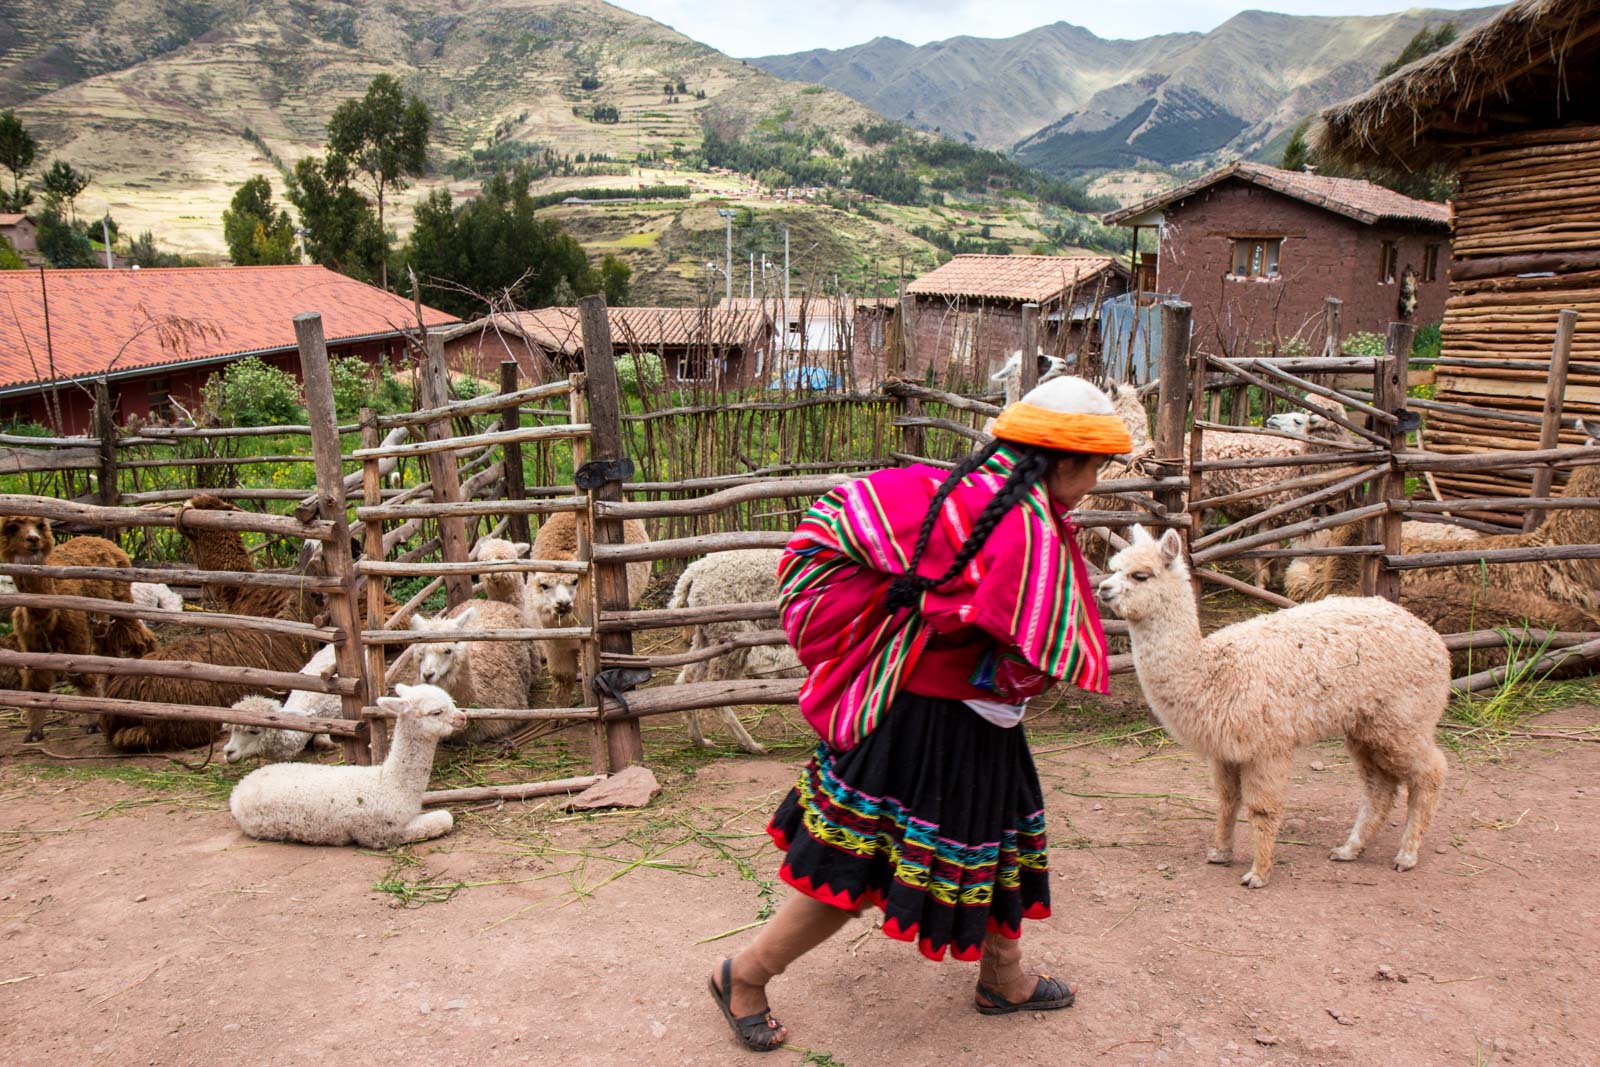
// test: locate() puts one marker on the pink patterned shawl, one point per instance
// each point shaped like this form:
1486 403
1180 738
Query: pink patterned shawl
1027 587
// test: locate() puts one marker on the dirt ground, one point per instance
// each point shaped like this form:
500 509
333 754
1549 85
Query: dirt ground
137 925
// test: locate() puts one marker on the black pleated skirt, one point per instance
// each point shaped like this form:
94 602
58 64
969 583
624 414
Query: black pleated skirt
937 817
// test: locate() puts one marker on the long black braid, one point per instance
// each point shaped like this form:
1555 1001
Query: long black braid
1032 465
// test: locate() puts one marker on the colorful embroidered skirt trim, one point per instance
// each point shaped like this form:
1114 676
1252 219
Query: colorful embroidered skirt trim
937 817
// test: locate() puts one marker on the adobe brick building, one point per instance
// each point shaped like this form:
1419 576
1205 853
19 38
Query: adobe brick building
1256 250
157 335
965 317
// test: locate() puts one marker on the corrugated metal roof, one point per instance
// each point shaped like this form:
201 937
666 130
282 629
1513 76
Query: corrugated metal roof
1363 201
109 321
1022 278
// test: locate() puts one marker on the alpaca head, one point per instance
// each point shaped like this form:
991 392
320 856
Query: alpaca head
245 741
431 708
203 502
1307 424
1144 577
555 598
1590 431
505 586
440 662
25 539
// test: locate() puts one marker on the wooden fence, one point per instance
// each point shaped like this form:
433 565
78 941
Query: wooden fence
479 453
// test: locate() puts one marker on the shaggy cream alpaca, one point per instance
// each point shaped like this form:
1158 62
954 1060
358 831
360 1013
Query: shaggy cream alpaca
375 807
745 576
1248 695
275 745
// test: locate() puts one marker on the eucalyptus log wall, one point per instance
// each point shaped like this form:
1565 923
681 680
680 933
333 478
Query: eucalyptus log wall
1527 244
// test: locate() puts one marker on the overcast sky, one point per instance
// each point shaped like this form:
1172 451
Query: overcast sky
768 27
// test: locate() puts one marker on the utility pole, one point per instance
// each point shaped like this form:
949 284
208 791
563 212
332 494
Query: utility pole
727 260
105 231
786 289
752 276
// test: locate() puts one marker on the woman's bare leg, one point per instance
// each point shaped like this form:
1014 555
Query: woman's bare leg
1000 969
799 926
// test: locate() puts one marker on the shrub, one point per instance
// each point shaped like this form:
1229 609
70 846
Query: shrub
467 387
634 368
1428 342
252 393
1363 343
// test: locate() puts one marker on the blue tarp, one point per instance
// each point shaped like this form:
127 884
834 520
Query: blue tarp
817 378
1130 335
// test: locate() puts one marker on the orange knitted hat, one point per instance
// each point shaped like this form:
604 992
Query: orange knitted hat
1028 424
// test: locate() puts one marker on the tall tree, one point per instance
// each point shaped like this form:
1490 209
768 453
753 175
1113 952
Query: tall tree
384 137
341 230
63 184
254 233
1297 153
494 247
17 149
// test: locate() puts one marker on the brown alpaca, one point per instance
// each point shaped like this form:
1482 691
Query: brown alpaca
223 550
272 652
27 539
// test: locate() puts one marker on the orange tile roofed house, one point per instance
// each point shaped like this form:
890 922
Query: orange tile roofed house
696 344
965 317
156 335
1258 250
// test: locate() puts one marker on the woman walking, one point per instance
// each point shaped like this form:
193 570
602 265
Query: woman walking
929 607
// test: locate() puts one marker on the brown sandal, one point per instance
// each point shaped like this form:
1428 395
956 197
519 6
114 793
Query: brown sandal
1050 994
755 1032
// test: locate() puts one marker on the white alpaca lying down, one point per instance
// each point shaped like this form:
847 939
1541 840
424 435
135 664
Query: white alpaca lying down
377 807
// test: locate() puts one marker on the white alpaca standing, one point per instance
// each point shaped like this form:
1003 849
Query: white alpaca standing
1009 377
747 576
1249 694
375 807
274 744
483 674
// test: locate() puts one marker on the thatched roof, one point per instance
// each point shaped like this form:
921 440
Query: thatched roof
1530 67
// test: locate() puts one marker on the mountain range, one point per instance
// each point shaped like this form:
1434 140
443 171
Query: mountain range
172 105
1067 101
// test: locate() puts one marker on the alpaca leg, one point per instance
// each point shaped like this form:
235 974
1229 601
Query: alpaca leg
1377 799
740 734
1262 783
697 736
428 825
1226 777
1422 788
36 682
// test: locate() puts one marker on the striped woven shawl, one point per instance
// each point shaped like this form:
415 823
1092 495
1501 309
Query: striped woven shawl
1027 587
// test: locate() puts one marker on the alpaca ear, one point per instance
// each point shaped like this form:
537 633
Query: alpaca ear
418 623
464 620
1171 546
1140 535
523 549
396 704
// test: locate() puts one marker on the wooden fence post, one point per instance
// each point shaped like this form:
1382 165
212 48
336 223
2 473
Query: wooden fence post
1389 394
328 456
372 496
434 385
1030 348
623 741
1554 394
105 430
902 361
511 453
1172 413
1332 309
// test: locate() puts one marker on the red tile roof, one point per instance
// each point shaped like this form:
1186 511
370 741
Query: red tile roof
7 219
557 329
1025 279
1363 201
113 321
